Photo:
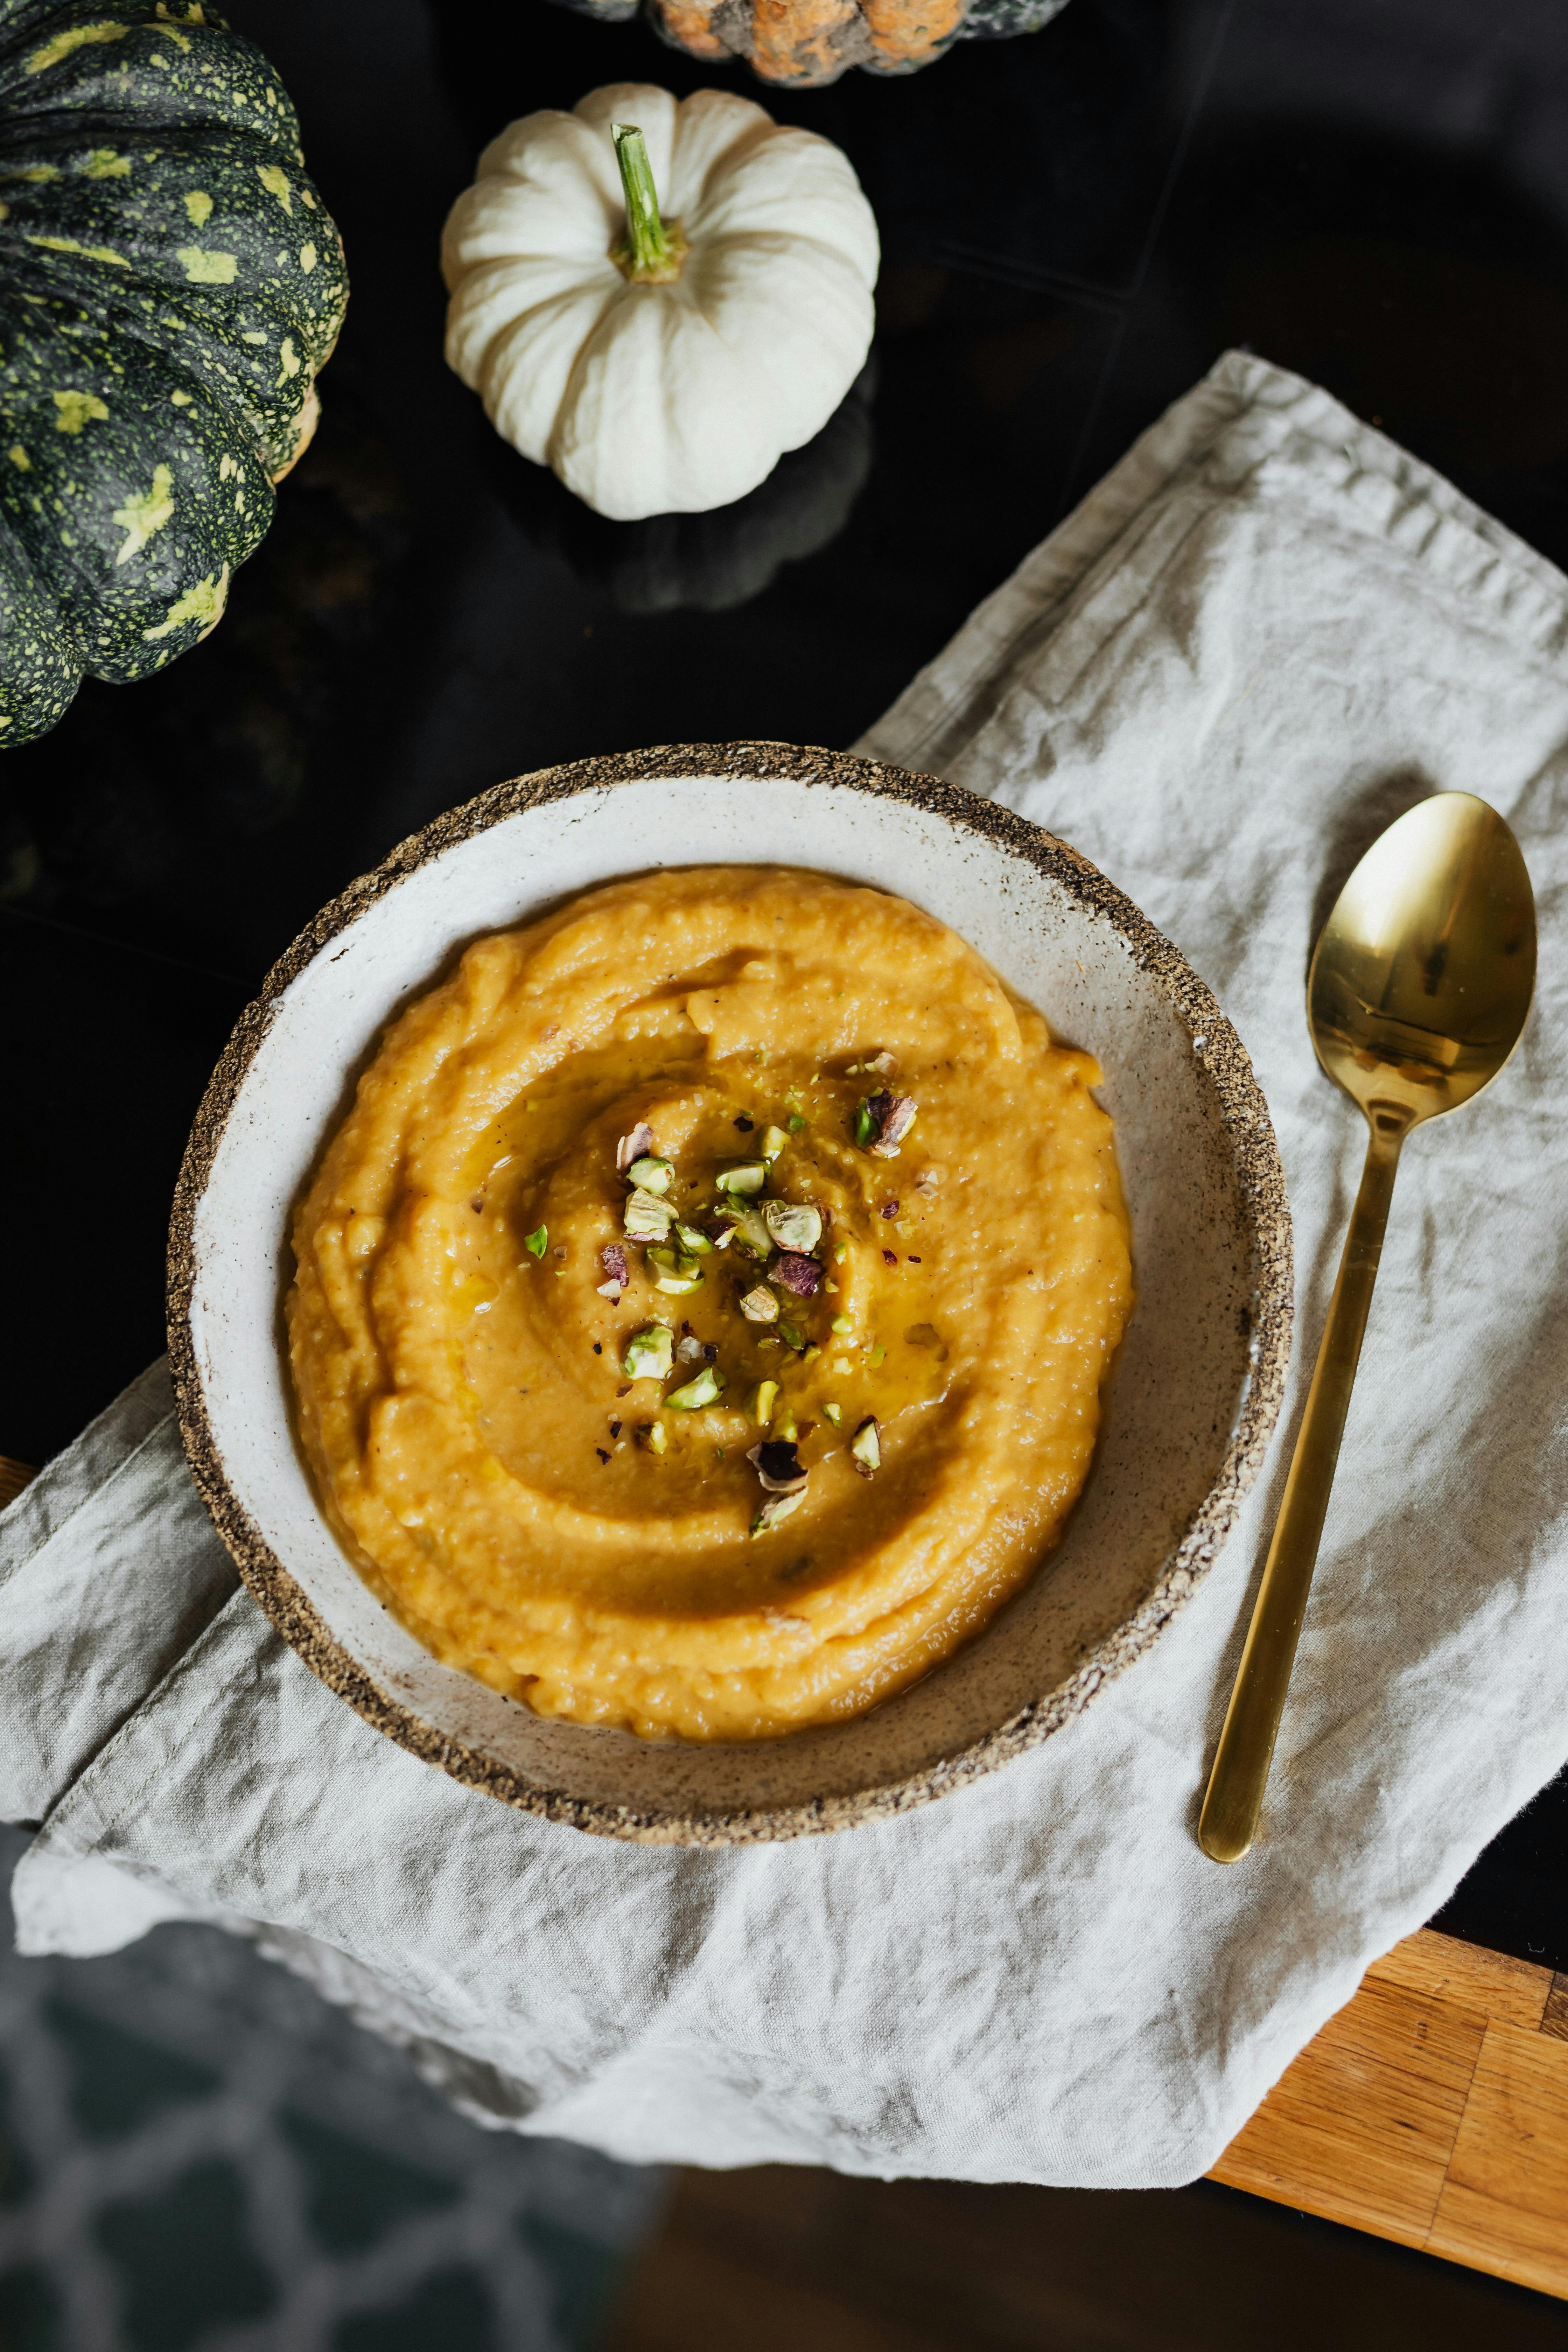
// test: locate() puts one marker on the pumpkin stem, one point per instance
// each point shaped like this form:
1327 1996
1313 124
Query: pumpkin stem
652 250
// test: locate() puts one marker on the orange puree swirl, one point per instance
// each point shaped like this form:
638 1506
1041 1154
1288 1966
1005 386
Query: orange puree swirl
523 1495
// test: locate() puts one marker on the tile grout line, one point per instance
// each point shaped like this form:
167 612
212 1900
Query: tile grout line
111 945
1200 96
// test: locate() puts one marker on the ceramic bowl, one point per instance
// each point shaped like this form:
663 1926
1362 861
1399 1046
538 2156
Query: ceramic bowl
1194 1397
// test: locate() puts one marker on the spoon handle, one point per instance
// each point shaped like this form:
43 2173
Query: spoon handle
1240 1773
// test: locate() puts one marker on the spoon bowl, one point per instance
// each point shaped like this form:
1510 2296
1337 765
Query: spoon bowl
1418 990
1422 979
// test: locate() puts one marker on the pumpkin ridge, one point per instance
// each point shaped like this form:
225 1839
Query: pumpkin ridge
173 284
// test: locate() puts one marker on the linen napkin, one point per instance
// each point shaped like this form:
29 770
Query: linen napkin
1267 632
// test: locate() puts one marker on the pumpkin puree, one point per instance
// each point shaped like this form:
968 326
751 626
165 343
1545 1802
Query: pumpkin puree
459 1354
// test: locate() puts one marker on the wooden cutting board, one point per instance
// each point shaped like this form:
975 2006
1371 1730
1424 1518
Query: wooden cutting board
1433 2109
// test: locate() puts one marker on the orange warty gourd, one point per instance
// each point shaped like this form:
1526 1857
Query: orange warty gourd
806 43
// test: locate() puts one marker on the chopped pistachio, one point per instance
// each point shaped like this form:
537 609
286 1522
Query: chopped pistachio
840 1253
792 1336
776 1507
703 1390
894 1116
810 1355
833 1412
652 1437
746 1227
613 1258
879 1356
842 1323
653 1175
883 1065
774 1140
631 1147
788 1431
794 1226
760 1305
646 1217
675 1272
778 1465
865 1445
693 1239
536 1242
748 1177
865 1124
650 1353
759 1403
691 1349
799 1275
795 1122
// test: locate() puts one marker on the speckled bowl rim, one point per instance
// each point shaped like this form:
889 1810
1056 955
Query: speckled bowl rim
1261 1184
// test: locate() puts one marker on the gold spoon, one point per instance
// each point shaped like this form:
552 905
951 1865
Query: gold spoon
1417 992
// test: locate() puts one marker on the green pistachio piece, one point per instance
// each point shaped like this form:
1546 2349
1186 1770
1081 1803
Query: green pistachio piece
759 1403
865 1124
647 1218
795 1122
703 1390
792 1226
536 1242
774 1140
676 1272
651 1175
840 1253
843 1323
792 1336
652 1437
776 1507
788 1430
865 1445
693 1239
811 1355
748 1229
833 1412
650 1353
760 1305
748 1177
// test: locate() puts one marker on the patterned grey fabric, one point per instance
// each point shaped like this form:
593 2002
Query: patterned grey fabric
197 2154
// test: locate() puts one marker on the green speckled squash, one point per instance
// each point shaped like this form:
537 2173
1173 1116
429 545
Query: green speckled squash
172 283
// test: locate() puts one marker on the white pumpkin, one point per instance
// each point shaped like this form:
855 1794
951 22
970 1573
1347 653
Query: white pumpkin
660 356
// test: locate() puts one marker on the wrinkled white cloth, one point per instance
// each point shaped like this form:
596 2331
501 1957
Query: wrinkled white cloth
1262 636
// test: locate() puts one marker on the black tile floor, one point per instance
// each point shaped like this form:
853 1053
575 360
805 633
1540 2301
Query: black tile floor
1075 225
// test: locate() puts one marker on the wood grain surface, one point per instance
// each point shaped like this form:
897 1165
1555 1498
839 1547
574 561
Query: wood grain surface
14 1476
1433 2110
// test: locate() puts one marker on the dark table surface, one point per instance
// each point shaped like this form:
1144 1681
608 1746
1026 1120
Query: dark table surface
1075 225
